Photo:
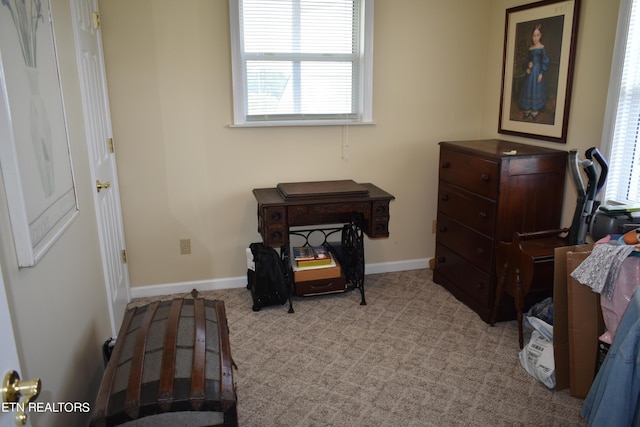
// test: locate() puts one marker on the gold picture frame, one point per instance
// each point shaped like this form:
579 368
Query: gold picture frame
538 63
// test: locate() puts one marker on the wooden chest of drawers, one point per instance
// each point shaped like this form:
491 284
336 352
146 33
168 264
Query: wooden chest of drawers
489 189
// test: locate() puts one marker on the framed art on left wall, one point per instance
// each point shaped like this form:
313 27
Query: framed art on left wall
538 61
35 157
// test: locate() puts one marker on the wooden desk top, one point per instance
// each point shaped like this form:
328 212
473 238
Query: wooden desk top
498 148
273 197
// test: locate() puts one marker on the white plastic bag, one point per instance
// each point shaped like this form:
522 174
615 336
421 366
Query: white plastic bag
537 355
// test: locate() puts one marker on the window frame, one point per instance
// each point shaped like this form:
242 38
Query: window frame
613 98
363 98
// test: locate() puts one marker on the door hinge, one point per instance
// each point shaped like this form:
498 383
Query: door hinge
110 143
124 256
96 20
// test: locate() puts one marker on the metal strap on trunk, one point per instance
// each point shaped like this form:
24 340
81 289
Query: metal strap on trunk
132 400
102 401
168 367
227 390
199 352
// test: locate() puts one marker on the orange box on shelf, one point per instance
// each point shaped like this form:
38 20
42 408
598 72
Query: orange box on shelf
317 273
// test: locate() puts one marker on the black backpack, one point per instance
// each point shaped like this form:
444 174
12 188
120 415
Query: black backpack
267 283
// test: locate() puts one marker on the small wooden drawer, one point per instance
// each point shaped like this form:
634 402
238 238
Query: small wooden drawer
380 228
321 286
326 212
271 225
469 278
380 209
274 215
475 174
471 245
476 212
275 235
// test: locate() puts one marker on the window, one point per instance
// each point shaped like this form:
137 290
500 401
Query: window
301 61
622 124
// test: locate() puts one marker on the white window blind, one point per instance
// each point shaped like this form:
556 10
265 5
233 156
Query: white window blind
301 61
623 121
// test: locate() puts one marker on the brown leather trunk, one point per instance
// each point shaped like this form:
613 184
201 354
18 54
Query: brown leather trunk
171 365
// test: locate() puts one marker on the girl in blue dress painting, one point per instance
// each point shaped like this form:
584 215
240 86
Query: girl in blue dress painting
533 94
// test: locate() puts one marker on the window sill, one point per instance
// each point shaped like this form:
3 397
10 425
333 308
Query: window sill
300 123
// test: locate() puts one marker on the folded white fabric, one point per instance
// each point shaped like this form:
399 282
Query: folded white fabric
600 269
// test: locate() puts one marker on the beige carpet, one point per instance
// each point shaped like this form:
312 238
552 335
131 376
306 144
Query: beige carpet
414 356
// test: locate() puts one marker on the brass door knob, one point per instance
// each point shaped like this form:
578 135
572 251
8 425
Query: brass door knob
102 186
20 393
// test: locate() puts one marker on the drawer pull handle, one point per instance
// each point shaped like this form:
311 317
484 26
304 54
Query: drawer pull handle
321 287
442 259
446 165
381 210
275 216
443 229
484 177
479 285
479 251
444 197
482 215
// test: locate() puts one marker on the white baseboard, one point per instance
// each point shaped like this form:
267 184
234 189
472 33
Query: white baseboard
240 282
390 267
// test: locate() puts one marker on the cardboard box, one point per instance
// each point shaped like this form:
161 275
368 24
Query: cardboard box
577 323
317 273
321 286
585 326
561 314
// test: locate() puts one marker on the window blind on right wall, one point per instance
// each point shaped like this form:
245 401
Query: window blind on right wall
622 124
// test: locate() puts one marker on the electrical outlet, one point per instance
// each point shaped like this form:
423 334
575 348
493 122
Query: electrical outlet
185 246
434 226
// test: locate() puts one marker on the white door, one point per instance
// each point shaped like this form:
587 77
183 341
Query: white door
8 353
95 103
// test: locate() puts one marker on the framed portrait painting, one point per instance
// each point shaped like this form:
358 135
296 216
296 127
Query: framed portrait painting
34 148
538 62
